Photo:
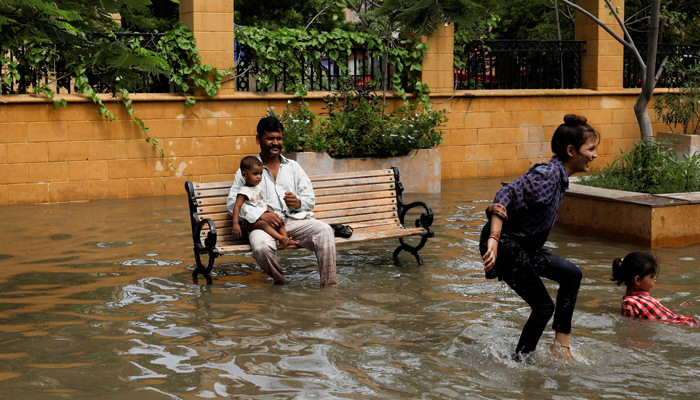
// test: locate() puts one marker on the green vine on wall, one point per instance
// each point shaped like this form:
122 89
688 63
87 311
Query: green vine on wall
176 56
294 49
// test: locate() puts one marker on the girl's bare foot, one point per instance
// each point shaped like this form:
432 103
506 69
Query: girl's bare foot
561 351
289 242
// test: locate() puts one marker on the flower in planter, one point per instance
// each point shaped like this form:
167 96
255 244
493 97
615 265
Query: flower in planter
358 124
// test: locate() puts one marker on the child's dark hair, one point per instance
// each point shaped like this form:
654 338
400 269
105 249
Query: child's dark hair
270 124
635 264
250 162
574 131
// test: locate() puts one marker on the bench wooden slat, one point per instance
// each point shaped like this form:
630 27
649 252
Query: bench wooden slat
320 194
361 217
227 229
212 209
216 216
345 198
213 185
354 189
212 193
352 182
355 238
350 175
354 204
323 216
353 211
211 201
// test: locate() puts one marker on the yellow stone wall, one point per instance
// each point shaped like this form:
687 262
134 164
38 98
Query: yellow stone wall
72 153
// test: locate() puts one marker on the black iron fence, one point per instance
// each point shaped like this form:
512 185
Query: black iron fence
364 68
51 70
521 64
632 77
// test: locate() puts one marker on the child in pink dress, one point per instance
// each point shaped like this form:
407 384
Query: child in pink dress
639 272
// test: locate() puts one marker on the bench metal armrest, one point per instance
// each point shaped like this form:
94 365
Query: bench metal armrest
210 241
424 221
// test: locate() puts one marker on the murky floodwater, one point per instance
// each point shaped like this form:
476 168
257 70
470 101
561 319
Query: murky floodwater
96 301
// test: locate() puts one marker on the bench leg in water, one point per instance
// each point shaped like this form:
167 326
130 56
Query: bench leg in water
201 269
411 249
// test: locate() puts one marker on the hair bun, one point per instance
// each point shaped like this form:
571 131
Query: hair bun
574 120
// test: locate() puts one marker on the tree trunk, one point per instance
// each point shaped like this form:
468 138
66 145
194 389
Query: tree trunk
642 114
649 78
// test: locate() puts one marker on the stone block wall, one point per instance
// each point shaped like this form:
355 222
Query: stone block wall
73 154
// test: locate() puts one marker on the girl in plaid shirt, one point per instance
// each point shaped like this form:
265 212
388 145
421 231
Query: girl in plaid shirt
520 219
639 272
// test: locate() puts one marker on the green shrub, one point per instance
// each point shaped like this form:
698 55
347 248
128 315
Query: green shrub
681 106
649 167
358 124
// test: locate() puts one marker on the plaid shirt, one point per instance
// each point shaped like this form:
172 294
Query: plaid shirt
642 305
530 204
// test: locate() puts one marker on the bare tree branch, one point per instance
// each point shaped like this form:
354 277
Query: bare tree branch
635 14
661 69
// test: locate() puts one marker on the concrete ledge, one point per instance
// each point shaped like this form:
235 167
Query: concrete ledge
642 219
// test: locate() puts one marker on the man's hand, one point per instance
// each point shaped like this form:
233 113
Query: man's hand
272 219
291 200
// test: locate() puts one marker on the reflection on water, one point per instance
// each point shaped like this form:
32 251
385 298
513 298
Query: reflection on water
96 301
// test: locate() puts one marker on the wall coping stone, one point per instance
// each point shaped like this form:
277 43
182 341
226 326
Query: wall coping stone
145 97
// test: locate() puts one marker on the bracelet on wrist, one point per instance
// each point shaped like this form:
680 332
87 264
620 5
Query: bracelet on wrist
493 237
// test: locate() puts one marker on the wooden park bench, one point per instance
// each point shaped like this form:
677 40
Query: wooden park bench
368 201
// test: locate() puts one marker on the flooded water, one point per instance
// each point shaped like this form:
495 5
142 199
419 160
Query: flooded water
97 302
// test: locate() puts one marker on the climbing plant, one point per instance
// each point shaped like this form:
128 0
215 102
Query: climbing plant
294 50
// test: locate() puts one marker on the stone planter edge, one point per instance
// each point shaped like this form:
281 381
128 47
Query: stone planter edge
639 218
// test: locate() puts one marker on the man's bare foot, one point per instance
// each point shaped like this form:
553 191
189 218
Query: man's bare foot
285 281
561 351
289 242
686 304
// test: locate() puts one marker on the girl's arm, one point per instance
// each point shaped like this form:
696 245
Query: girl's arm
236 230
492 242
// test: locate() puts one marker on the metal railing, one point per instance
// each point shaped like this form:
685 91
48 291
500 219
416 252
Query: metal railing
521 64
53 71
632 75
364 68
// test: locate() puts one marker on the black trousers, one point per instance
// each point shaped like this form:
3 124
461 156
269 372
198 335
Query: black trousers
523 271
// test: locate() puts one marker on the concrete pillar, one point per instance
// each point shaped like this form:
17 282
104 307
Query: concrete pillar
212 24
603 60
438 64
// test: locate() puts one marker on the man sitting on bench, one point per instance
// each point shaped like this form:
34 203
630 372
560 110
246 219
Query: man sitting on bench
288 192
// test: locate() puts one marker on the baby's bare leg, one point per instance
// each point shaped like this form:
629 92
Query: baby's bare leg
288 241
262 225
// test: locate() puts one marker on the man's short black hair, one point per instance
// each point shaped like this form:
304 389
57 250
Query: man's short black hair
250 162
269 124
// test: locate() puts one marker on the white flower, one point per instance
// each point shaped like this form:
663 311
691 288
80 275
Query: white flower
295 120
289 101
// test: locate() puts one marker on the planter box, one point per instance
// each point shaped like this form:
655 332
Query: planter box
643 219
420 171
687 144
